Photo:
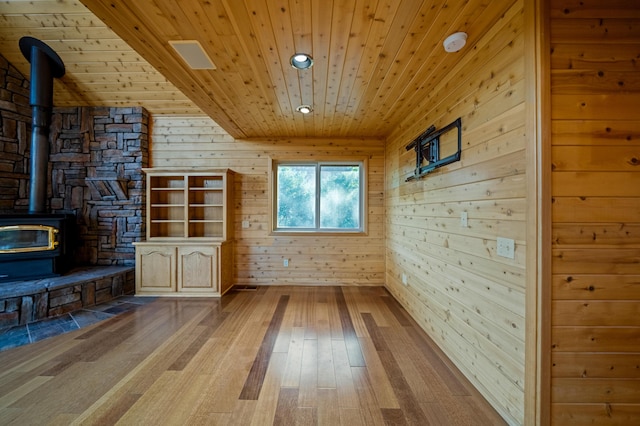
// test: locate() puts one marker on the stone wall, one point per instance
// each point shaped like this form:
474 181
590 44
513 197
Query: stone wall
96 157
15 128
94 169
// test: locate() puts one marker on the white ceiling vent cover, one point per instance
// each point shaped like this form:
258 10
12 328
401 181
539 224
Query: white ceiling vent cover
193 54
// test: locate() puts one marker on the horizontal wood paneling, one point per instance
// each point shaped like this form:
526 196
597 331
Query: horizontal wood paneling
469 300
179 141
595 339
595 132
598 287
576 365
601 414
595 91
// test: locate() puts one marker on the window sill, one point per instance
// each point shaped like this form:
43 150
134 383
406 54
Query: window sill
314 233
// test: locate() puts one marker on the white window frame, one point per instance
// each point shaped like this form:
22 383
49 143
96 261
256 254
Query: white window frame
361 162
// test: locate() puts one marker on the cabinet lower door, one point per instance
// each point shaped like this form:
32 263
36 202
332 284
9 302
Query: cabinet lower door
198 269
155 269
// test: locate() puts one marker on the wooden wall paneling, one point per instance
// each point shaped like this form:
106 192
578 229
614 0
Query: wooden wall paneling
595 286
596 212
579 209
471 301
338 260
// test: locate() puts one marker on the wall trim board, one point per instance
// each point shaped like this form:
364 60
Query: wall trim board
538 265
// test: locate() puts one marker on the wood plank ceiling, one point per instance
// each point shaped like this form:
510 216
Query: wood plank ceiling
374 60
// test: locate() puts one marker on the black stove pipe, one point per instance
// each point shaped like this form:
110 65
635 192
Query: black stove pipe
45 65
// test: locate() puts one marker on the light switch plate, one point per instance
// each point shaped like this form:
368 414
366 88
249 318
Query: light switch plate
464 219
506 247
404 278
245 224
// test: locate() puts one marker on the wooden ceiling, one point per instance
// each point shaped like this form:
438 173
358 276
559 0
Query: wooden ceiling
374 60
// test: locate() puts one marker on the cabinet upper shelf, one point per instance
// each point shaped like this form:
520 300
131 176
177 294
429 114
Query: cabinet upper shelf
189 203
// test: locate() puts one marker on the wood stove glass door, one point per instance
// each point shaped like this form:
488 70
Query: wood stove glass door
27 238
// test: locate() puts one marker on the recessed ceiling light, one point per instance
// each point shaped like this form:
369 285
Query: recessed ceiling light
455 42
301 61
193 54
305 109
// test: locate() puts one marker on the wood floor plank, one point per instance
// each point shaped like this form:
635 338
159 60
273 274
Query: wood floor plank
419 376
310 331
308 390
378 375
268 401
33 358
284 337
153 405
409 404
435 414
354 351
303 355
353 296
347 395
351 417
241 415
287 406
19 392
291 377
396 309
253 384
326 368
369 405
328 413
435 359
119 406
335 321
368 303
395 417
209 325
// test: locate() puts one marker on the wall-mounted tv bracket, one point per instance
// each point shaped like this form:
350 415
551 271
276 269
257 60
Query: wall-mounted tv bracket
427 147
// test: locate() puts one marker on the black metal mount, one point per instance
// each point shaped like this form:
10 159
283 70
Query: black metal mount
427 148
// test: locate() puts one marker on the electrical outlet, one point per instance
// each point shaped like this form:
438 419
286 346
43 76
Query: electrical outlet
464 219
506 248
285 263
404 278
245 224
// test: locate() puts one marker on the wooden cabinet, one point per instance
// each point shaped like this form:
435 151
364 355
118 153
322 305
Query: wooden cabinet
189 245
155 269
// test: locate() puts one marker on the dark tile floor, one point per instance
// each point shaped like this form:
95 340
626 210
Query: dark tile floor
24 334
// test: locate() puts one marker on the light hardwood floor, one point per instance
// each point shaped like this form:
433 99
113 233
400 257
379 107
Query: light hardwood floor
276 355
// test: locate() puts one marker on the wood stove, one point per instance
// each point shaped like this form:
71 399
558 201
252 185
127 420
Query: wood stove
35 245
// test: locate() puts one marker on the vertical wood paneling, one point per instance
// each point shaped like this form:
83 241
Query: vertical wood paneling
313 259
595 95
470 301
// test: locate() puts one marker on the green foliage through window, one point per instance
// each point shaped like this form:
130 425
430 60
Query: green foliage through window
319 196
296 196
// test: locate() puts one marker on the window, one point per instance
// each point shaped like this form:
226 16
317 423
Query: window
319 196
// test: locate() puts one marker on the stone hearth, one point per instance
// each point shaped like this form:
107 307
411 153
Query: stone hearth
22 302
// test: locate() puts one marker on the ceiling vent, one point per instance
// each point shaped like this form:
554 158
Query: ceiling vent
193 54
